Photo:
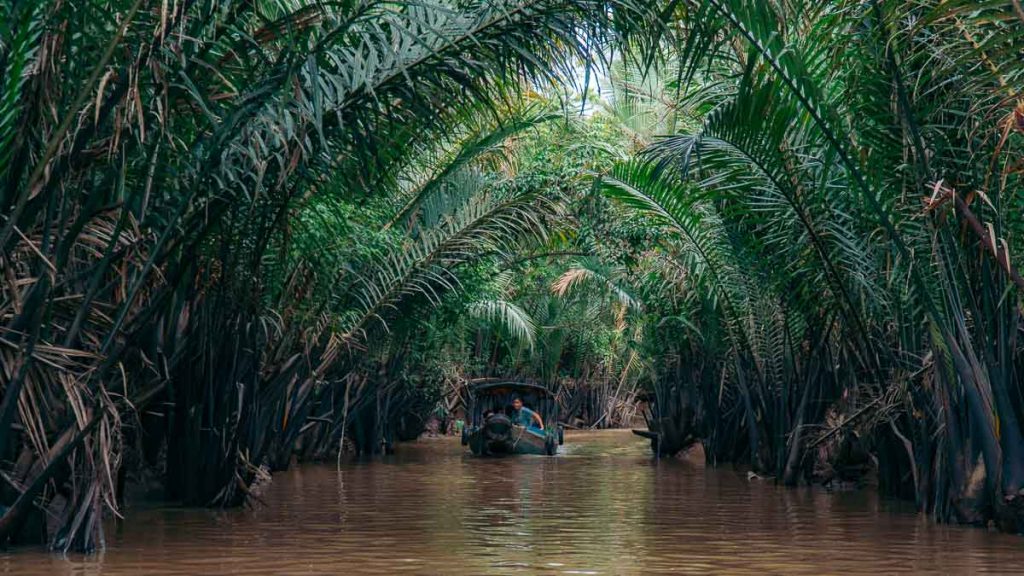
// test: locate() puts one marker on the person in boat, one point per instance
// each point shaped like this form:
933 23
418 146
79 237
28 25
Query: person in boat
523 416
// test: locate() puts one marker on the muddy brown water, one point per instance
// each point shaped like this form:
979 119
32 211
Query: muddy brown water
601 507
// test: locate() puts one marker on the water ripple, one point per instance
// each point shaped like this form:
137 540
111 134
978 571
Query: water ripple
602 507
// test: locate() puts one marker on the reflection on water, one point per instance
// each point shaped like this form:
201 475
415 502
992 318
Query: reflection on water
603 507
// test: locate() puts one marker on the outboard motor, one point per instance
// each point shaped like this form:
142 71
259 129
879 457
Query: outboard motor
498 433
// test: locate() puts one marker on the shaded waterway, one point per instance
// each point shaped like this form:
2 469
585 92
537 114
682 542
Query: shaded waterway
602 507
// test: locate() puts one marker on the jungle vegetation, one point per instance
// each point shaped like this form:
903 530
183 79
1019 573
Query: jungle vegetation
239 232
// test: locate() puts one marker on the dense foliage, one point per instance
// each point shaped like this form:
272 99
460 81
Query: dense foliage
848 213
237 231
216 214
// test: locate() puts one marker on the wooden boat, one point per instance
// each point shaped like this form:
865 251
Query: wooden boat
491 431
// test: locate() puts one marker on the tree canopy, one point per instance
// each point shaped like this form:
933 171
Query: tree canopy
236 231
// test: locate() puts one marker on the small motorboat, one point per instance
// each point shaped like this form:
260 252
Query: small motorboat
491 430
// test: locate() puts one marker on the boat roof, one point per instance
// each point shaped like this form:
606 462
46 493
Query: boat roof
501 386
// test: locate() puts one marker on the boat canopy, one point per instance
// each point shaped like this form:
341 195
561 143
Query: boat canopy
496 396
491 387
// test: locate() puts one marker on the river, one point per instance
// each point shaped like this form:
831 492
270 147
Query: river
601 507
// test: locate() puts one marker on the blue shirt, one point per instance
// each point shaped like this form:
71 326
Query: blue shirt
524 417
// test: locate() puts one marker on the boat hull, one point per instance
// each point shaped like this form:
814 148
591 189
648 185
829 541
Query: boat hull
515 439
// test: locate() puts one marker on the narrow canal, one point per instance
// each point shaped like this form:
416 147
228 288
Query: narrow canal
602 507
